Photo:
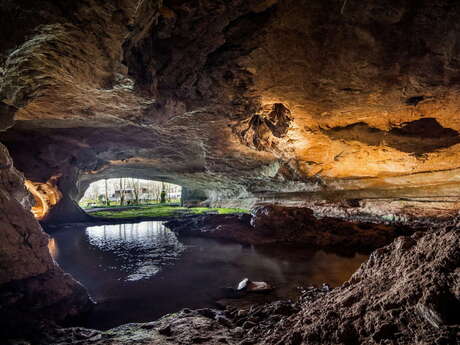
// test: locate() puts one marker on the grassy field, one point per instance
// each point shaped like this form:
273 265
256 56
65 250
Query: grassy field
164 211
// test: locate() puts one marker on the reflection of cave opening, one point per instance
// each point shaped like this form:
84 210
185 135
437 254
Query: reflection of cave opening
118 192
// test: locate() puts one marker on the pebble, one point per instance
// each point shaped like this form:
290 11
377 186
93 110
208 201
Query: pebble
95 338
238 331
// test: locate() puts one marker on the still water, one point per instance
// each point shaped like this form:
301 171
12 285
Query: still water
139 272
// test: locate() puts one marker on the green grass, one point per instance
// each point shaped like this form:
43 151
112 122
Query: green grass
164 211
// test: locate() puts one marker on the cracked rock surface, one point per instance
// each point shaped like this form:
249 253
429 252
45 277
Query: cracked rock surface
32 286
237 97
348 108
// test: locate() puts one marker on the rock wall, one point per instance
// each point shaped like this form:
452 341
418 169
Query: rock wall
190 197
33 288
67 210
350 107
406 293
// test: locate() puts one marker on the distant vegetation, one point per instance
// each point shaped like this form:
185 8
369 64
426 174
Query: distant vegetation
89 204
164 211
128 192
133 198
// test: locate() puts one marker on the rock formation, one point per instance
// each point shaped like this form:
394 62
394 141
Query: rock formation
290 225
406 293
32 287
348 108
260 96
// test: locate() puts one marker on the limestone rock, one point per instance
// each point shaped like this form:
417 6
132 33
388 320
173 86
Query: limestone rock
236 98
407 292
32 287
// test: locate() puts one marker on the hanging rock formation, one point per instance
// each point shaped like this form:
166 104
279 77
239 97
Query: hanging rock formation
259 96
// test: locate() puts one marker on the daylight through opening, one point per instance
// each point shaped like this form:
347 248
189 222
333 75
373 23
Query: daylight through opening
119 192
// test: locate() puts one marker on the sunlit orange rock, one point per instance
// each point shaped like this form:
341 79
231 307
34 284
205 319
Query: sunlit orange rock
46 195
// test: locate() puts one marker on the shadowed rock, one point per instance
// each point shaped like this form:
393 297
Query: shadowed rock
33 289
418 137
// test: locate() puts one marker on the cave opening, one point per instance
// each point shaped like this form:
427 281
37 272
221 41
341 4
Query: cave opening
128 191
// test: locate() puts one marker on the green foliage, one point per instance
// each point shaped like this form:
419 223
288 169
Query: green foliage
164 211
89 204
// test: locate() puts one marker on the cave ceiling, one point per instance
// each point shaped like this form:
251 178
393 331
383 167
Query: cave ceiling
246 95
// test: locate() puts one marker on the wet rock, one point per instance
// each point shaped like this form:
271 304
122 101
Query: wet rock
33 289
244 98
289 225
299 225
224 321
382 300
242 285
251 286
232 227
149 325
209 313
430 315
326 287
95 338
230 292
238 332
165 330
248 325
259 287
200 340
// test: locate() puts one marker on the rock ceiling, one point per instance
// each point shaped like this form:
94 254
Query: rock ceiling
246 96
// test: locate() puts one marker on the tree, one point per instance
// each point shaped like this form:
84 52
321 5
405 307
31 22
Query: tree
100 199
122 191
136 188
107 201
163 193
94 192
154 189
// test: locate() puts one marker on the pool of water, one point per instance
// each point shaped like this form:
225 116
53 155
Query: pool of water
139 272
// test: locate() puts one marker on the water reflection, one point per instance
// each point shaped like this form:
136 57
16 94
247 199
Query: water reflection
52 247
139 272
138 249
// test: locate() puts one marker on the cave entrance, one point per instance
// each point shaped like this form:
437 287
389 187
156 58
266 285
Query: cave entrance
126 192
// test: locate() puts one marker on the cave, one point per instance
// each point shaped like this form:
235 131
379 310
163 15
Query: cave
317 148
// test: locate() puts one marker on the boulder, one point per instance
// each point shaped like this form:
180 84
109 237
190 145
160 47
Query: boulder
252 286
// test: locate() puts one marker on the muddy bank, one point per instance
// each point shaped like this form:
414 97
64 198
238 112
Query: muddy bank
289 225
